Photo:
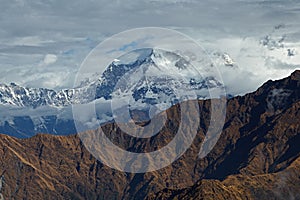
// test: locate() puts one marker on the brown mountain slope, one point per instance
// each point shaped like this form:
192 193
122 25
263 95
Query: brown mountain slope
280 185
256 157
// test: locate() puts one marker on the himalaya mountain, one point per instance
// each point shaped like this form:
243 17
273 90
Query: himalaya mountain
149 60
147 76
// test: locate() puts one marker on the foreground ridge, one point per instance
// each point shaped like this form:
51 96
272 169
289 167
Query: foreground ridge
256 157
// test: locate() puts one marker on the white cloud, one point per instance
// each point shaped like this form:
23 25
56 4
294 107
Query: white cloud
34 41
66 33
50 59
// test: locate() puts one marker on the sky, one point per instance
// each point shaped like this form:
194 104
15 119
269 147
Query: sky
43 43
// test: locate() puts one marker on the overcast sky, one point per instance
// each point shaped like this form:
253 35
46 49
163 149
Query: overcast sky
43 43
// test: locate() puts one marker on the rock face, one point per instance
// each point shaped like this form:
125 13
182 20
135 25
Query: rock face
256 157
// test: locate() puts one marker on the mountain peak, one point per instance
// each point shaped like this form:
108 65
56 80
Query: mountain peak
295 75
138 55
155 56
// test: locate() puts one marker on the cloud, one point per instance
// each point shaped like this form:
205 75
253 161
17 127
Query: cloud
50 59
66 33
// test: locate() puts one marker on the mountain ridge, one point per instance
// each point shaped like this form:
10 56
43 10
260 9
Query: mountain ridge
256 157
91 89
166 78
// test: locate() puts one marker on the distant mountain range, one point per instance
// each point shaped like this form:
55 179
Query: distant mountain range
256 157
164 79
103 86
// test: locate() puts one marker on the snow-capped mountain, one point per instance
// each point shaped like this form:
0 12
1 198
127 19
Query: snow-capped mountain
160 73
16 95
223 59
162 78
143 77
